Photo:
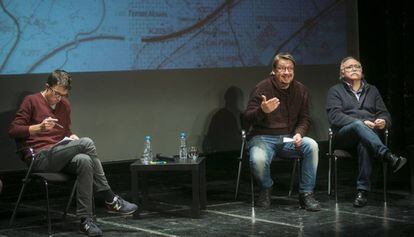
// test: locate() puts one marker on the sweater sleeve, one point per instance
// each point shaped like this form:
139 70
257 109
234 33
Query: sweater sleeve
19 127
334 108
254 113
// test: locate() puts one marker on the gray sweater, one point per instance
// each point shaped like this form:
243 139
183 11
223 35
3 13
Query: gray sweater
343 107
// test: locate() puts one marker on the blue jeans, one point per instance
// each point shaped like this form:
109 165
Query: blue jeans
263 148
357 136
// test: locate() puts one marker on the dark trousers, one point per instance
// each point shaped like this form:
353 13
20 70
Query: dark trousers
79 158
368 145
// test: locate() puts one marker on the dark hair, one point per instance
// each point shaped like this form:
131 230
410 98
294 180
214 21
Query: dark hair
60 78
286 56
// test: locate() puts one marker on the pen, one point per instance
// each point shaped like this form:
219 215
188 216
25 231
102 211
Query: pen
60 126
158 162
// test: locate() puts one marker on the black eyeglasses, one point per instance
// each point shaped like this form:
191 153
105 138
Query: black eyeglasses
58 94
283 69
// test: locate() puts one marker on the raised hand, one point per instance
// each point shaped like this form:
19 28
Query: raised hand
269 106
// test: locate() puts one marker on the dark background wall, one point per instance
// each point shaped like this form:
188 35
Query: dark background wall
386 51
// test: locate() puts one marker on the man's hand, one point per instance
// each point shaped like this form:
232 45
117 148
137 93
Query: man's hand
379 124
297 140
369 124
269 106
47 124
74 137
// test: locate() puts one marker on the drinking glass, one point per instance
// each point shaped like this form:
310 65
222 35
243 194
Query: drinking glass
193 152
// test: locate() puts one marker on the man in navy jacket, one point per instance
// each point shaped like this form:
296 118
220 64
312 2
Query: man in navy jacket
357 114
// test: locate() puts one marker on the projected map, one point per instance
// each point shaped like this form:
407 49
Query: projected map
38 36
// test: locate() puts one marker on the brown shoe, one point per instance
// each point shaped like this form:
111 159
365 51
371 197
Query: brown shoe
308 202
265 196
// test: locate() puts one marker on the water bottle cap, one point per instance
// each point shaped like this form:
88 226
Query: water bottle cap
147 137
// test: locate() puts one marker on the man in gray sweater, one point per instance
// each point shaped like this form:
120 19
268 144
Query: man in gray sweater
277 109
357 115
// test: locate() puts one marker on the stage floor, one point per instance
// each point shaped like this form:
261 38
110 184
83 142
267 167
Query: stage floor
170 215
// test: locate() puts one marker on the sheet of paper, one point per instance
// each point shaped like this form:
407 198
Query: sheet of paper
65 140
287 139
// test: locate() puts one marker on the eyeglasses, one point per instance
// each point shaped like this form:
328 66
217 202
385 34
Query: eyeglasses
57 94
349 68
283 69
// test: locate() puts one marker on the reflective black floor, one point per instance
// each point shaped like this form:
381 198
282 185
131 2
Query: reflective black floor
170 215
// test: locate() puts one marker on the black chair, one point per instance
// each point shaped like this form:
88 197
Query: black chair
335 154
295 156
45 178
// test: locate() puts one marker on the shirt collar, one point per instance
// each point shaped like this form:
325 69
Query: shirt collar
359 89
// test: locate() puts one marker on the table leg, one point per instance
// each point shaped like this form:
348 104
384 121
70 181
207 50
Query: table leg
143 187
195 207
203 188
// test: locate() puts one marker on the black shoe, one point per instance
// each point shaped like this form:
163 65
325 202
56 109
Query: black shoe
265 196
308 202
396 162
89 228
361 199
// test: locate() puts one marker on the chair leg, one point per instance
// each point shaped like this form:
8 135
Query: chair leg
236 192
329 175
253 215
336 178
49 222
299 171
292 177
384 173
72 194
19 199
252 188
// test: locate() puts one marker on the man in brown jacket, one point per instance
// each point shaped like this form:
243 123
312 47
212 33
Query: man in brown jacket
279 117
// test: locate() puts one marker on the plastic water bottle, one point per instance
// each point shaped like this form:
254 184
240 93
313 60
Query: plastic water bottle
183 146
147 154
